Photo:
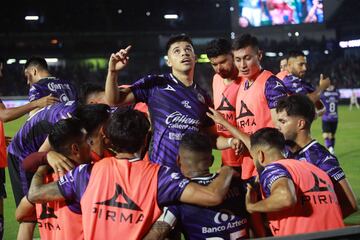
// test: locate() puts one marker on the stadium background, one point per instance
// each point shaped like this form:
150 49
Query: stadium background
78 38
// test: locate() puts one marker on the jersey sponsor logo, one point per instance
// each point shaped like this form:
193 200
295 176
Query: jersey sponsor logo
319 195
244 111
169 88
128 204
186 103
58 86
47 212
182 121
224 215
278 84
225 105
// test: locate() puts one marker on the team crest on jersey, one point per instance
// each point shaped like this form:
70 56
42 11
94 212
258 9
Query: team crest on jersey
225 105
224 215
201 98
128 204
186 103
278 84
244 111
64 98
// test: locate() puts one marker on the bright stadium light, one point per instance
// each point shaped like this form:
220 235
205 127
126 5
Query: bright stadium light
306 52
171 16
11 61
270 54
22 61
281 54
51 60
31 18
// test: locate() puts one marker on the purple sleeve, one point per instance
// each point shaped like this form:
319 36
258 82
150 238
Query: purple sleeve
295 85
171 184
274 90
33 93
271 173
331 166
143 88
73 184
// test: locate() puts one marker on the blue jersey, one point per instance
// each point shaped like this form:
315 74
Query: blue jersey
229 220
330 98
174 110
62 89
318 155
33 133
295 85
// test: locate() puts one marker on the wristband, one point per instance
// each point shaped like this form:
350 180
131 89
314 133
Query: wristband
27 198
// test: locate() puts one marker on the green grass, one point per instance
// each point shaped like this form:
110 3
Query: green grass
347 150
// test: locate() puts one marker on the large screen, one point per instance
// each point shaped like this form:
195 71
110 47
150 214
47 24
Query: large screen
257 13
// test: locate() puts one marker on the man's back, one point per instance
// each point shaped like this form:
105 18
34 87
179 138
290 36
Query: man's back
228 220
62 89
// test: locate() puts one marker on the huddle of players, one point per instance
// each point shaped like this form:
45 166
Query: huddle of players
124 194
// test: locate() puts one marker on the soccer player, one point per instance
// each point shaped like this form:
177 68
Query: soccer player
330 97
295 116
283 69
60 219
229 220
176 104
353 100
258 93
123 195
295 84
298 197
225 87
42 83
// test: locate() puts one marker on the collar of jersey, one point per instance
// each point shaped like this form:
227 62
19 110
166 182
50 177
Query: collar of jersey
173 78
204 178
306 147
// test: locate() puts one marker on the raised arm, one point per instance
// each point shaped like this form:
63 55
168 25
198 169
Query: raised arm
114 95
210 195
9 114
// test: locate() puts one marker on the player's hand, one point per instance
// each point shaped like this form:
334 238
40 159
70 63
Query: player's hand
324 83
45 101
59 163
250 198
119 60
216 116
238 146
8 140
43 169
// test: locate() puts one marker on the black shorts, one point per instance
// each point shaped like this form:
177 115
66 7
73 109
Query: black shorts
20 180
2 183
329 127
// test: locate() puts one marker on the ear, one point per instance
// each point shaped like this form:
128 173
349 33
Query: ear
75 149
168 62
261 157
260 55
301 124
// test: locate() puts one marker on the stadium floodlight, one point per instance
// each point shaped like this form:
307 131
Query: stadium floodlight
11 61
51 60
31 18
281 54
306 52
270 54
171 16
22 61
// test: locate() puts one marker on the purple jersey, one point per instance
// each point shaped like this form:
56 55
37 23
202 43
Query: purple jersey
270 174
33 133
296 85
330 99
174 110
62 89
228 220
171 184
318 155
274 90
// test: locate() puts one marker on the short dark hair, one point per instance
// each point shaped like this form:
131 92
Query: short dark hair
127 130
89 88
295 54
64 133
218 47
196 142
297 105
178 38
38 62
271 137
92 115
244 41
